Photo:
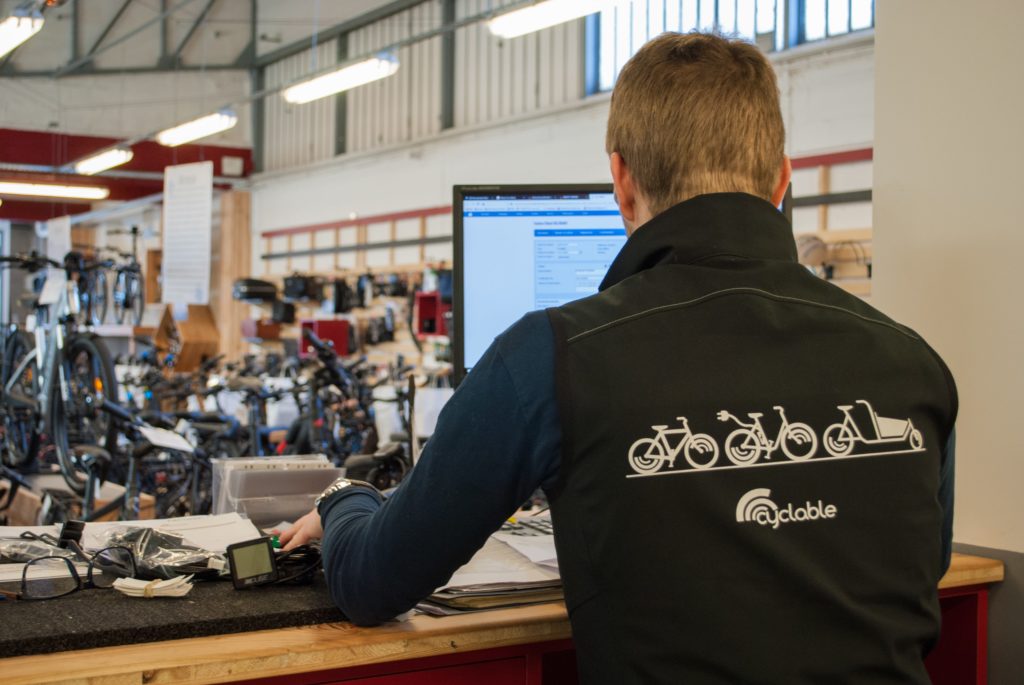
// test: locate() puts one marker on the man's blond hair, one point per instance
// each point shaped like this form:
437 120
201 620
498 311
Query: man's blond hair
697 113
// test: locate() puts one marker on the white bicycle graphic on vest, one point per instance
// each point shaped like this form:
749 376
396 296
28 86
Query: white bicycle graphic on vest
647 455
839 438
748 443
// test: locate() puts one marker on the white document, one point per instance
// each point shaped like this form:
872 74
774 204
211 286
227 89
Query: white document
52 288
188 211
540 549
169 440
498 564
213 533
58 244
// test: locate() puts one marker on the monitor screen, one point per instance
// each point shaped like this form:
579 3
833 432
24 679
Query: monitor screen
523 248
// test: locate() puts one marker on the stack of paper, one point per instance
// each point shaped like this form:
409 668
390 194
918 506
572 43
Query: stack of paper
512 569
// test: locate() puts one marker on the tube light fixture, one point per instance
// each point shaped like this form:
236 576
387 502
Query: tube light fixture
198 128
101 161
346 78
543 15
16 29
54 190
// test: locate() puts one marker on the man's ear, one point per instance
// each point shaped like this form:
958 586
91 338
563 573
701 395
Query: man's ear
625 189
785 176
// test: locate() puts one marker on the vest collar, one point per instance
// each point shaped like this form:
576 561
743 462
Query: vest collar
719 224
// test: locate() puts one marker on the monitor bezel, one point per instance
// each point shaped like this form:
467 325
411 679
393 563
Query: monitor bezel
459 192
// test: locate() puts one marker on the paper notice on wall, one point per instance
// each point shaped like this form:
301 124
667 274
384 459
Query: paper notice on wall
188 211
58 244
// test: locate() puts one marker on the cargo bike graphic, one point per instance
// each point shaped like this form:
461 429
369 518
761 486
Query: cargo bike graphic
840 438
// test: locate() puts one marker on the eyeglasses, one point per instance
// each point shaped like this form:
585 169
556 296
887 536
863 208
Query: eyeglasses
52 577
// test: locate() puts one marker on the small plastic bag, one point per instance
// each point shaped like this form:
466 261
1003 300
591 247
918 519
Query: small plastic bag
166 555
21 551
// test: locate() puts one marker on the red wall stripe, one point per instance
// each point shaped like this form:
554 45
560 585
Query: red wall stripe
360 221
832 158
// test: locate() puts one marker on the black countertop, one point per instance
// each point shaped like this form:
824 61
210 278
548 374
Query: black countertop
103 618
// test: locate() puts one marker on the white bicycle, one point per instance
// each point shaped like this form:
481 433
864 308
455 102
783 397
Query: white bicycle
647 455
748 443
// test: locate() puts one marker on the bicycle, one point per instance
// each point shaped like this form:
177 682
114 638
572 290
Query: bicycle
128 287
648 455
56 390
747 444
92 286
839 438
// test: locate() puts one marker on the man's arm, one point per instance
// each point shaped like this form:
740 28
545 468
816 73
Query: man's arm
496 441
946 478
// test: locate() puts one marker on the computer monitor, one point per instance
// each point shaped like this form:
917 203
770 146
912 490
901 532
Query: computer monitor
520 248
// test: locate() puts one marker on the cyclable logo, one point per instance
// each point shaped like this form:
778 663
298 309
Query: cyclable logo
757 507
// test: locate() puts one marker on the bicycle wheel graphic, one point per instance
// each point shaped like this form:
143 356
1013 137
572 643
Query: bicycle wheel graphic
646 455
799 442
742 447
701 451
838 440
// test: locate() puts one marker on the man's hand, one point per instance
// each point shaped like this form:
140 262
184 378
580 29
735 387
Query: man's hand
302 531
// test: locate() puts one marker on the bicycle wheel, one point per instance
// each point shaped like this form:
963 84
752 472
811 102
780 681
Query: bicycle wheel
98 298
19 422
120 296
646 455
742 447
701 451
136 298
88 374
838 440
800 442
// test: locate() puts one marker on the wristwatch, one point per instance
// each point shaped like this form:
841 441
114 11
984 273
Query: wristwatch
339 485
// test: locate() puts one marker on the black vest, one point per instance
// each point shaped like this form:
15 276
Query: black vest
750 465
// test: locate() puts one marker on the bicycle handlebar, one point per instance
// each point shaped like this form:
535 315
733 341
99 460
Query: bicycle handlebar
31 262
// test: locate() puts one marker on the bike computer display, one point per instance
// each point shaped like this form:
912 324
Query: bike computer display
252 563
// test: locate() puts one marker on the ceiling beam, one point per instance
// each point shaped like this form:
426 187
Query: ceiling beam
336 30
75 64
171 60
106 29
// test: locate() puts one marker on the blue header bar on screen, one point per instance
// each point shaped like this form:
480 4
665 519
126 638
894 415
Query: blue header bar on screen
576 212
569 232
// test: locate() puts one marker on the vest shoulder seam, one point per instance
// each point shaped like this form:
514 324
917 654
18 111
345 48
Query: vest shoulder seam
734 291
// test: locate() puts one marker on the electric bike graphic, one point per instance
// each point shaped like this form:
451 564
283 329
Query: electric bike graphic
839 438
647 455
748 443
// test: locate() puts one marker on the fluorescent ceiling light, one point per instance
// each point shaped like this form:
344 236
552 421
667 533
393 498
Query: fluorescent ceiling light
543 15
15 30
102 161
345 78
199 128
53 190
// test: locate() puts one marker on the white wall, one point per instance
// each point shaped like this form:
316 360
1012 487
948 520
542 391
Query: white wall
948 230
563 145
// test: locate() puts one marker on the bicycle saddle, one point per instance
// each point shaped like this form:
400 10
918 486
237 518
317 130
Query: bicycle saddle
245 383
389 450
659 428
756 415
844 407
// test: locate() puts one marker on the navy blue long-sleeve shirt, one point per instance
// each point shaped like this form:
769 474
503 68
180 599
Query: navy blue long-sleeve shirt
497 439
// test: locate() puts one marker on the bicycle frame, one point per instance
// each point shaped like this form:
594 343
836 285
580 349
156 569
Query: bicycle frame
50 339
662 437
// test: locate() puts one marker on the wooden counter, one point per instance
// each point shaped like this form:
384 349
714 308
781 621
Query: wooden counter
270 653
